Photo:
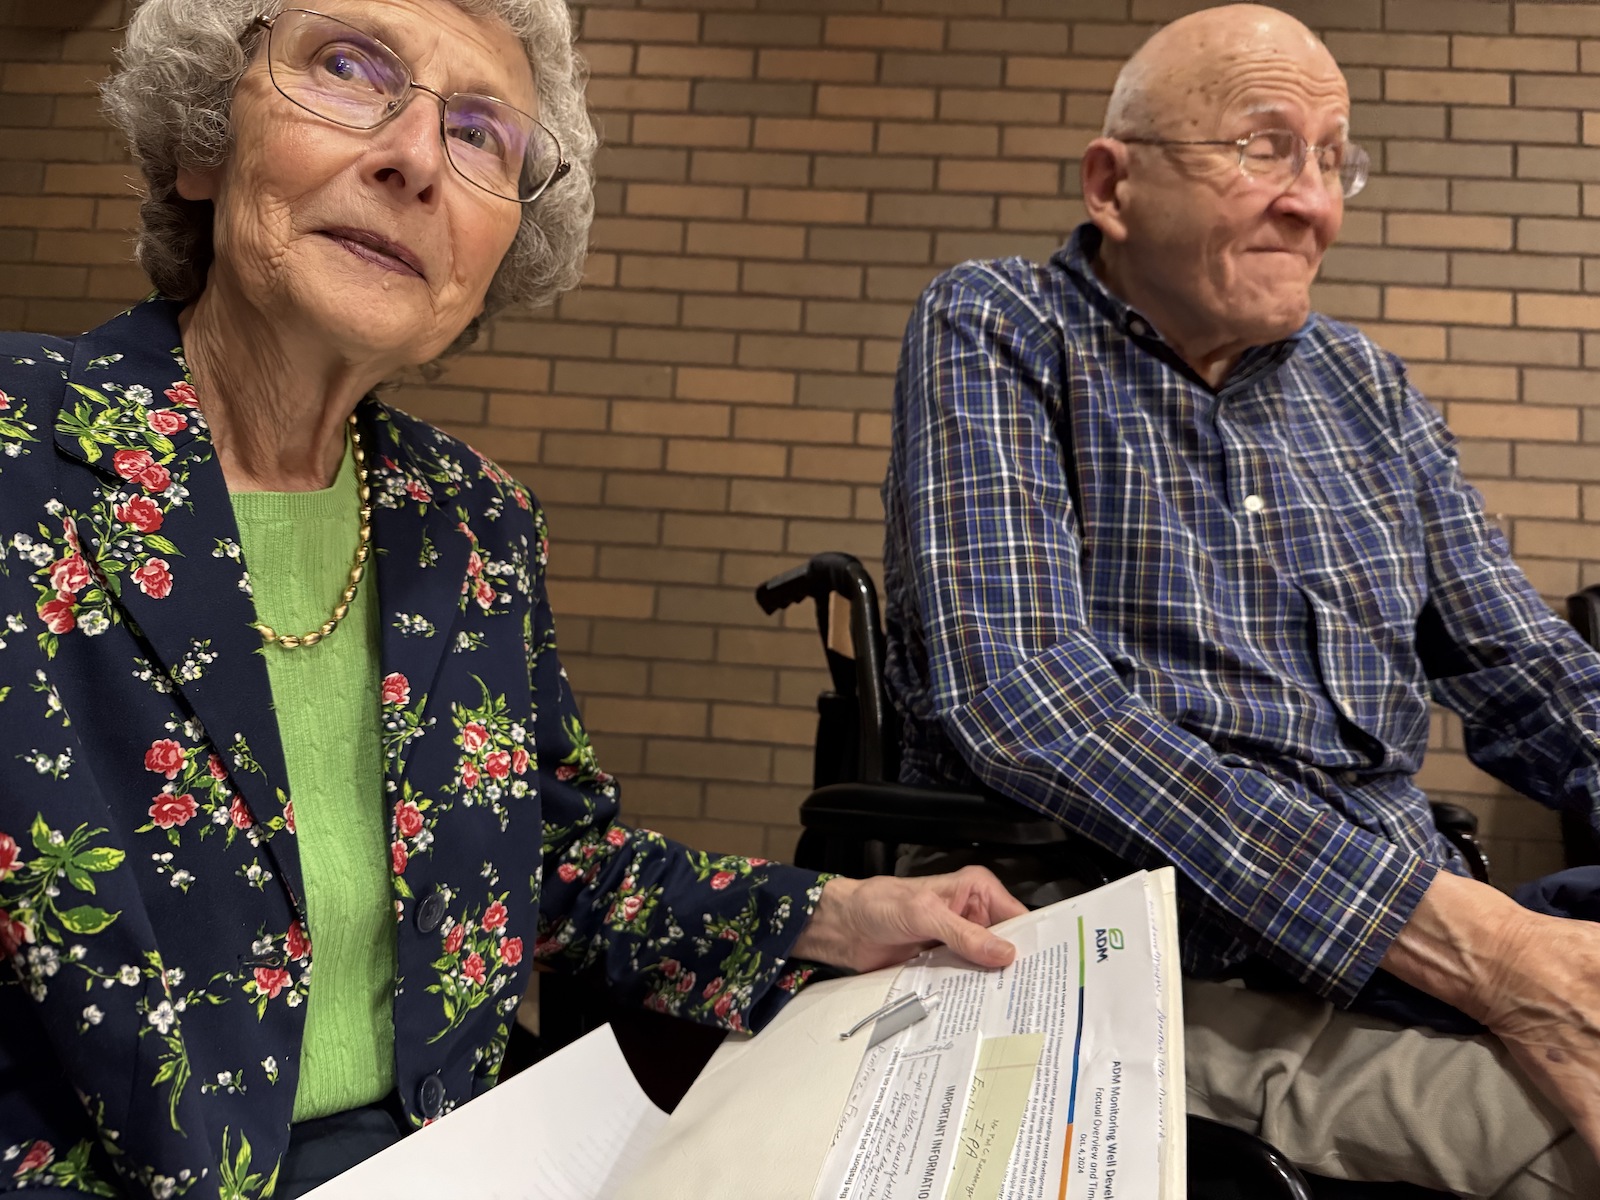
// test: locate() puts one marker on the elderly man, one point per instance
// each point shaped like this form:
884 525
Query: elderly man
1178 561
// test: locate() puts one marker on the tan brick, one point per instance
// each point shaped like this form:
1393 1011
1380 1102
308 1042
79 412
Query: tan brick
1030 37
1410 342
790 498
791 426
810 279
633 95
1385 266
968 141
776 647
833 463
1474 233
718 166
622 307
1517 498
1551 236
1558 387
666 493
709 760
613 379
633 233
1512 125
1447 87
698 457
1558 311
1455 306
864 539
819 66
1029 108
1515 346
1347 301
676 418
741 312
940 212
604 25
52 78
1557 91
591 598
676 274
722 532
757 99
29 280
547 337
546 412
1569 19
1513 53
673 718
898 33
1526 422
1557 539
992 174
740 386
942 70
675 345
784 133
686 130
82 180
892 174
1448 158
874 245
1037 213
1454 381
1046 141
1515 199
813 206
798 353
837 100
958 247
684 200
746 240
639 162
696 62
1389 49
705 681
1549 162
1391 192
615 58
882 320
745 723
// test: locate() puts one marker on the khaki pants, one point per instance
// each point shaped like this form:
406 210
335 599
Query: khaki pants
1355 1097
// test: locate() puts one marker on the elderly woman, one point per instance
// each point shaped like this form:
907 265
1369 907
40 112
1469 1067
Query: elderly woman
280 681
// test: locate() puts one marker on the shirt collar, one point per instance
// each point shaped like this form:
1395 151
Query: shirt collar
1077 259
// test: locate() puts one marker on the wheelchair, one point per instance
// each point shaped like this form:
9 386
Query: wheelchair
858 815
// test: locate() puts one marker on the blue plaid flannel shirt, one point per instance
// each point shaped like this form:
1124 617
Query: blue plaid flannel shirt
1201 627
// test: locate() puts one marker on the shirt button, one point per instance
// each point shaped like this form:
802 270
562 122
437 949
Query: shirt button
1254 503
1138 328
430 1097
430 913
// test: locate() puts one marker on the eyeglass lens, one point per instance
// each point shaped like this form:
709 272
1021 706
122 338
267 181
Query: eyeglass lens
349 77
1279 153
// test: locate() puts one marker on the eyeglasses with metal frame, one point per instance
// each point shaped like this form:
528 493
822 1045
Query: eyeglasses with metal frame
1279 155
345 75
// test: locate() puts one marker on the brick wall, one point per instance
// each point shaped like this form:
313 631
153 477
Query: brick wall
781 178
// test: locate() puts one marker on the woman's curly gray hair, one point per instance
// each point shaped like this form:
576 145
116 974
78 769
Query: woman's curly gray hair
170 97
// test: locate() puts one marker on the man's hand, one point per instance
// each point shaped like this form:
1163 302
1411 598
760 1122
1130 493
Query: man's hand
864 924
1534 980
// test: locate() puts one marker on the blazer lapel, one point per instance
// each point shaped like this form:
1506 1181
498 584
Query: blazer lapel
164 548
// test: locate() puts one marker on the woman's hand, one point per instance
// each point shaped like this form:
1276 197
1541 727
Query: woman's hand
864 924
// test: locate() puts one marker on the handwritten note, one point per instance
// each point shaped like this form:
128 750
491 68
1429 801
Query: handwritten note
995 1105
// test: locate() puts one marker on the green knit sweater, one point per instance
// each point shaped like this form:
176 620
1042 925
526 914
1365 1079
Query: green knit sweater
299 547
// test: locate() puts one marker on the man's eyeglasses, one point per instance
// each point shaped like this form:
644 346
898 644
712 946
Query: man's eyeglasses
349 77
1279 155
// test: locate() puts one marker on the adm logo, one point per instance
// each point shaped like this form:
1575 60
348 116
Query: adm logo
1105 941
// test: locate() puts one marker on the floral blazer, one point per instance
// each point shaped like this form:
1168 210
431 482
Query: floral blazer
151 906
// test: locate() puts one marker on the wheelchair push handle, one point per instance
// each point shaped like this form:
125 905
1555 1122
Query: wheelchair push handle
815 580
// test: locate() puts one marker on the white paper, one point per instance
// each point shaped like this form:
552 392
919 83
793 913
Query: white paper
1101 1116
571 1127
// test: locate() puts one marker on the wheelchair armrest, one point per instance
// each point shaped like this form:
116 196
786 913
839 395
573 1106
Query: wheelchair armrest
897 812
1460 828
1228 1162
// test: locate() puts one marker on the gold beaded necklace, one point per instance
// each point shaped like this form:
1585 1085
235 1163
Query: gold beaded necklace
290 641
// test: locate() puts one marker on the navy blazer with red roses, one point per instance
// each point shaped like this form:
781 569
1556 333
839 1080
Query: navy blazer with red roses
151 908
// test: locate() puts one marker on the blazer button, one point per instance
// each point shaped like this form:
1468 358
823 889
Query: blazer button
430 913
430 1097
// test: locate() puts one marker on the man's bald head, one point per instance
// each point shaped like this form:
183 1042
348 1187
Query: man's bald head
1184 74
